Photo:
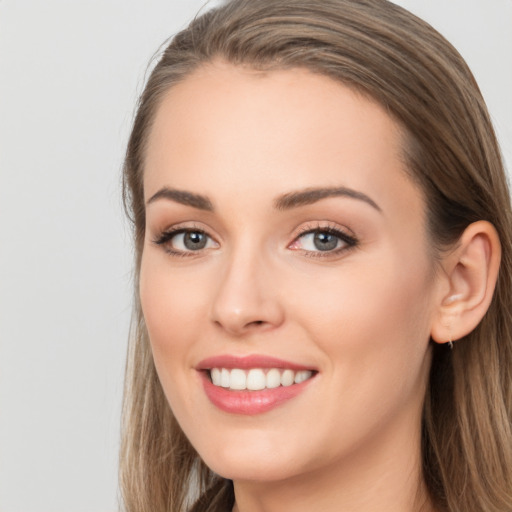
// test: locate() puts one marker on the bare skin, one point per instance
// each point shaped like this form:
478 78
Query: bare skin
341 283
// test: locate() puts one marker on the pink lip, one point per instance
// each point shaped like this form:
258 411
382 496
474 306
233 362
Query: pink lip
246 362
249 402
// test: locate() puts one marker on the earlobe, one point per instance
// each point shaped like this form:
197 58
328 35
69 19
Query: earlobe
471 272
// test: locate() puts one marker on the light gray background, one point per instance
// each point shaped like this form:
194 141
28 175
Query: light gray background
70 72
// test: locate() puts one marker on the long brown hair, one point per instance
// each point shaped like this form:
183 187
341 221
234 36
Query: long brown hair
451 150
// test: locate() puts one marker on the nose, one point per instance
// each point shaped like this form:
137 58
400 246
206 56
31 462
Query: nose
247 298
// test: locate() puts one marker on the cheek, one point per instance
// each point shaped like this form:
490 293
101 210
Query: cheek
365 298
171 309
372 322
373 331
170 306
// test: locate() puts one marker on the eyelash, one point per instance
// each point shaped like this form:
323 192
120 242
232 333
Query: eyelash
168 235
349 241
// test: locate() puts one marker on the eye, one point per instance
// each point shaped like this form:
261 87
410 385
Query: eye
183 241
323 240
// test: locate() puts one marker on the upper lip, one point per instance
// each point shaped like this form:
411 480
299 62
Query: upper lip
246 362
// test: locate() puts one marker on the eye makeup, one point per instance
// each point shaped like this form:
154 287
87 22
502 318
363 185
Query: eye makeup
320 240
317 240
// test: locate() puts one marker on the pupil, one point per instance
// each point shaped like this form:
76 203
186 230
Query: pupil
325 241
194 240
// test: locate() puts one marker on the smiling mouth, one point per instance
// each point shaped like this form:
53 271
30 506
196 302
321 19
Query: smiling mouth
257 379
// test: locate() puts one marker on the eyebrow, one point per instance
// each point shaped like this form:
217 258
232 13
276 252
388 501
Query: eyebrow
285 202
312 195
181 196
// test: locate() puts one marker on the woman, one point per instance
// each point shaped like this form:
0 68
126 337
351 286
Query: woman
322 231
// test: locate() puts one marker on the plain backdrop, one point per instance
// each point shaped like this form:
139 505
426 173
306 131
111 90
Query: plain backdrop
70 73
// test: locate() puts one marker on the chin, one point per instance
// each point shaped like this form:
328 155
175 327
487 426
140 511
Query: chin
251 455
253 470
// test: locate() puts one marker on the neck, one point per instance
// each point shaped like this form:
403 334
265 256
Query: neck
384 476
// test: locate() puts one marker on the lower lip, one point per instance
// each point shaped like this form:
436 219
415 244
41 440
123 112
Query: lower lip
250 402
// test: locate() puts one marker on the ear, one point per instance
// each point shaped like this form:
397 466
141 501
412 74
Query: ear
468 280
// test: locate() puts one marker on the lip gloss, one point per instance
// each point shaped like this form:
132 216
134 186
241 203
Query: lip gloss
248 402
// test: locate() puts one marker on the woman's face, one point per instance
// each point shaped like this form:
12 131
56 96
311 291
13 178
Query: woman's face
285 243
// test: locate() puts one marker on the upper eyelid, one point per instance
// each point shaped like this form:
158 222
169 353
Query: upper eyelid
181 227
170 232
324 226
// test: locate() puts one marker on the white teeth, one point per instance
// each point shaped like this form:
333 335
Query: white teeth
224 378
256 379
287 378
273 378
216 378
302 376
238 379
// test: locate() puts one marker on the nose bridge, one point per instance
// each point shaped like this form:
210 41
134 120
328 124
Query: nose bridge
246 297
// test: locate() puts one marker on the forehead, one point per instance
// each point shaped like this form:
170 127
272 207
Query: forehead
232 130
